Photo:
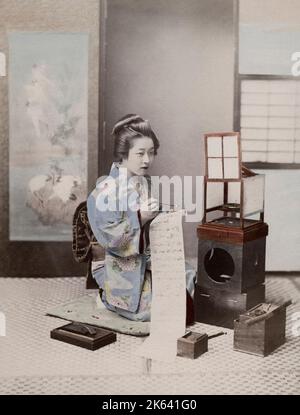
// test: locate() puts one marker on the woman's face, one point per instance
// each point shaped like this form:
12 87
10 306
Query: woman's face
140 156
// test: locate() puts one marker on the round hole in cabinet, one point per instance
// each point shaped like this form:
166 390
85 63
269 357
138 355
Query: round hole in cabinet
219 265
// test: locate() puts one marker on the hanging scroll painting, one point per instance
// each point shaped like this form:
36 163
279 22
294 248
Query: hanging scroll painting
48 101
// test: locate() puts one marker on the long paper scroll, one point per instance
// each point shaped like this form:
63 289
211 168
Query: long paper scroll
168 308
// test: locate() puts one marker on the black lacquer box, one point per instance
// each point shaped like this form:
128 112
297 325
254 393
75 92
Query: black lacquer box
84 335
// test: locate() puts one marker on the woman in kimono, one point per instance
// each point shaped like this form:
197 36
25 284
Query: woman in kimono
120 210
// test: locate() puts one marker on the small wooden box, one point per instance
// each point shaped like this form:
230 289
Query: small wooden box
78 335
192 345
260 330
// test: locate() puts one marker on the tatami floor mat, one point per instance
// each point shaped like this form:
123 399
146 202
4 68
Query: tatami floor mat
31 362
89 309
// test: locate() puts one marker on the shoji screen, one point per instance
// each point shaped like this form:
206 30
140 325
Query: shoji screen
270 121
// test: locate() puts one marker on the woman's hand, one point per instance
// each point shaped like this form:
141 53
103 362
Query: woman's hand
148 210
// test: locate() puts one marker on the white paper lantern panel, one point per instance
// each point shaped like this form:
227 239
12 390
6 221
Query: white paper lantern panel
214 194
231 168
215 169
234 192
214 146
254 190
230 146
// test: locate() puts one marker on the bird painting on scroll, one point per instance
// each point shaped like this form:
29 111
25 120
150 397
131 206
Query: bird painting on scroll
48 78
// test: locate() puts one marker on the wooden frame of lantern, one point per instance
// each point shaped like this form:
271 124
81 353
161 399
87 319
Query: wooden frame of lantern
228 185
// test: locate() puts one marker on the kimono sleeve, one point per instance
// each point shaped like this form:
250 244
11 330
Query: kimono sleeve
119 232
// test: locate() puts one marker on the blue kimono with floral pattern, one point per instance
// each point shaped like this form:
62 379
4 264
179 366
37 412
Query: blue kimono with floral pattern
114 218
118 230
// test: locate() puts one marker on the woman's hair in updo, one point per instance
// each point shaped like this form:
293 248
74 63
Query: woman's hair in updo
127 129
